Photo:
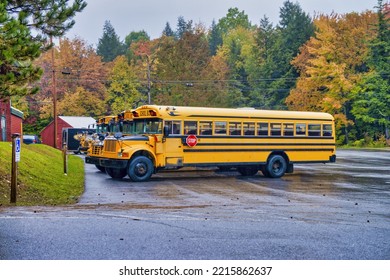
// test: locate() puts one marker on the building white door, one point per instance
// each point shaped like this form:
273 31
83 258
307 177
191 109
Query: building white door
3 129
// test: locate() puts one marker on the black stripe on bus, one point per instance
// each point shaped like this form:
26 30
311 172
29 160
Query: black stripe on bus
231 118
265 144
253 137
193 150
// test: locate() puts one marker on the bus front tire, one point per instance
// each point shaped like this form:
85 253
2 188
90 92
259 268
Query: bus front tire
140 169
101 168
116 173
276 166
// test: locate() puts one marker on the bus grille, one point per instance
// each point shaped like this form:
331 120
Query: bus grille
97 150
110 145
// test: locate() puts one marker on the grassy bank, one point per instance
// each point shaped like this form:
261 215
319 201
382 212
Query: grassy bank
41 180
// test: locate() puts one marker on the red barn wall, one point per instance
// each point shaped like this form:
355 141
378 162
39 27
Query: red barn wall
5 112
16 124
12 118
47 134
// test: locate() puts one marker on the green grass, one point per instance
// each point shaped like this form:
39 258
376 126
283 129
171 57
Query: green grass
41 178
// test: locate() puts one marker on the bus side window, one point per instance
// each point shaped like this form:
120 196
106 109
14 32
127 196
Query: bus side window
288 129
262 129
314 130
235 128
276 129
205 128
220 128
249 128
300 129
190 127
326 130
174 127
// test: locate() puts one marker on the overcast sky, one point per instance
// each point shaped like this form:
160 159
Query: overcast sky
152 15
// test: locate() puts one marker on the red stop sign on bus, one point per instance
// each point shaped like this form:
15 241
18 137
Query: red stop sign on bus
191 140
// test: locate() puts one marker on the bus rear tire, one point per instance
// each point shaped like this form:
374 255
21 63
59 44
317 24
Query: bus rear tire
116 173
140 169
276 166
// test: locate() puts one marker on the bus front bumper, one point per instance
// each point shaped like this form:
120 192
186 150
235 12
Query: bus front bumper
106 162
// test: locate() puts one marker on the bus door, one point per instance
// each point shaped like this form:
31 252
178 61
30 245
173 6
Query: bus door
173 147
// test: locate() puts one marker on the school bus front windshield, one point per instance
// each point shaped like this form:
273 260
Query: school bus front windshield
148 126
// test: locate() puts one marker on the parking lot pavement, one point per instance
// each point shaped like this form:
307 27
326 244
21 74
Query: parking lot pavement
332 211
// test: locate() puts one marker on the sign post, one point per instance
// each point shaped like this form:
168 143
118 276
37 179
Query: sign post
65 158
15 159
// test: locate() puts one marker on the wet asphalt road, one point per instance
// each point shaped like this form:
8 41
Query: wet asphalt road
333 211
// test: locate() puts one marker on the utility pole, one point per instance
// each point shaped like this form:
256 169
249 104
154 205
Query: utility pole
148 76
54 89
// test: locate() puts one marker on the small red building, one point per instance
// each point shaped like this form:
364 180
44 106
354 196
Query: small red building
11 120
47 134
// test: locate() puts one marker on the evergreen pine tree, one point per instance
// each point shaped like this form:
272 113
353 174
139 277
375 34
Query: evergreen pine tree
168 31
183 26
380 47
215 38
295 28
109 46
19 47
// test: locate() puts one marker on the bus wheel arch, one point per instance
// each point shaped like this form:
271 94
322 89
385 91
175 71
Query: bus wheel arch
141 166
276 166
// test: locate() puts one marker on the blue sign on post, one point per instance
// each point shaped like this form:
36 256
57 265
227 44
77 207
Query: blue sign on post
17 149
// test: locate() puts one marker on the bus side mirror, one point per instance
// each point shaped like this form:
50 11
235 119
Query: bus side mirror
166 131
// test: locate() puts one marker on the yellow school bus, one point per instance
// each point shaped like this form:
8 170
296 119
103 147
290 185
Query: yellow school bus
109 125
246 139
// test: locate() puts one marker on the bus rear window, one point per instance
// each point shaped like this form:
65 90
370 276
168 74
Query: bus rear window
326 130
314 130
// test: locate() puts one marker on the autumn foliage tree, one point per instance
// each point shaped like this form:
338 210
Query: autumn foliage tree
123 86
79 71
330 64
180 64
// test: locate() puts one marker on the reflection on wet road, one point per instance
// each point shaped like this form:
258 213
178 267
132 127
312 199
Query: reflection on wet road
358 176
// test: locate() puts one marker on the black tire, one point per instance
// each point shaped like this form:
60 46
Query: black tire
249 170
276 166
140 169
101 168
116 173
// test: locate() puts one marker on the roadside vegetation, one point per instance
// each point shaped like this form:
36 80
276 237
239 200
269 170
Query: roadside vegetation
41 180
